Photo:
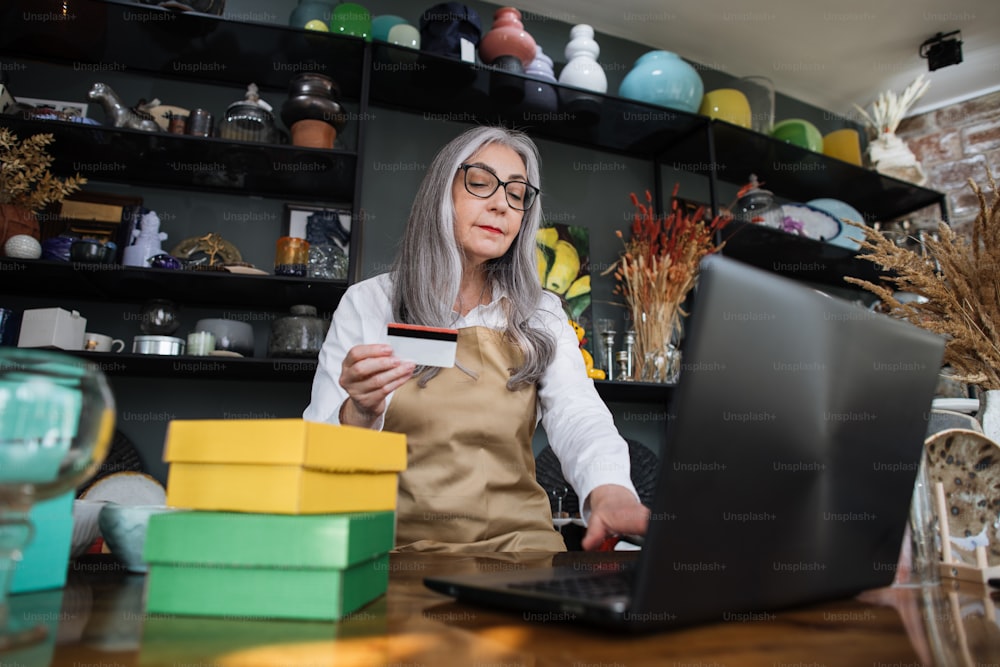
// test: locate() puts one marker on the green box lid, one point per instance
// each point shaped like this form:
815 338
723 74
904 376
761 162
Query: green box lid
235 539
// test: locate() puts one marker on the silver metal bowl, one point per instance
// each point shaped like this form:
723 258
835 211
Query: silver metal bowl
158 345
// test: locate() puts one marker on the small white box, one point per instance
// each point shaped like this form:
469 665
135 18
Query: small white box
52 327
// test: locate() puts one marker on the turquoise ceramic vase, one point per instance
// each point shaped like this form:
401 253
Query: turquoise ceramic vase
664 79
312 10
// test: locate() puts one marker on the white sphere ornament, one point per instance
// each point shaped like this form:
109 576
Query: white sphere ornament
22 246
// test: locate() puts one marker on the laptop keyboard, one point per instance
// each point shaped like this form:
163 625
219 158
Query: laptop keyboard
590 587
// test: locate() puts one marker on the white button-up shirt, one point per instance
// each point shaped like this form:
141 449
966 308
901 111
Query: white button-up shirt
578 424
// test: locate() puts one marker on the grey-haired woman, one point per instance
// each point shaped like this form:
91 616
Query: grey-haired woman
467 262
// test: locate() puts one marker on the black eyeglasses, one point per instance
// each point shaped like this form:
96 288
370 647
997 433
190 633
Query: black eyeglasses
481 182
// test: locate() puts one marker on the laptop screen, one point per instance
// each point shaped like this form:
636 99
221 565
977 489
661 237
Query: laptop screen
793 441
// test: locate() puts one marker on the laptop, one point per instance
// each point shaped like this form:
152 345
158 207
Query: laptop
792 446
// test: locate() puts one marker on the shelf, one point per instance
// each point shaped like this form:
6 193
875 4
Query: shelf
795 256
111 282
799 175
447 89
634 392
185 45
200 368
167 160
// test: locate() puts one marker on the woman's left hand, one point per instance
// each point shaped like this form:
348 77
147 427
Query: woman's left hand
614 510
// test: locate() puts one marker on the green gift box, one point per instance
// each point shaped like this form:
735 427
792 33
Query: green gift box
245 565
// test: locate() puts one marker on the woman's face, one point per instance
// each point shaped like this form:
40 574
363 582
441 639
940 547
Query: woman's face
485 228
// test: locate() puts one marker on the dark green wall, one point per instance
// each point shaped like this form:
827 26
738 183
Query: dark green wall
582 187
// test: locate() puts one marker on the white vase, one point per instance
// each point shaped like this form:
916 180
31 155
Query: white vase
582 69
891 156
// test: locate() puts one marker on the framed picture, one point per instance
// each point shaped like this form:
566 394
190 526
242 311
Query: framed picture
61 107
334 239
564 269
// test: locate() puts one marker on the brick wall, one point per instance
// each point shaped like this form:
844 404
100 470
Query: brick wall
954 144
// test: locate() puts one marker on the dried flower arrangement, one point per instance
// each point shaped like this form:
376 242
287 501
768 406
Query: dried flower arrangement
655 273
960 280
889 109
25 179
887 152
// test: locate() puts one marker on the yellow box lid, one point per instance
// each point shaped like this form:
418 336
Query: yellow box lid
284 442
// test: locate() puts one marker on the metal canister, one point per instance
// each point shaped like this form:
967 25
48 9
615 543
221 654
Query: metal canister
199 123
177 124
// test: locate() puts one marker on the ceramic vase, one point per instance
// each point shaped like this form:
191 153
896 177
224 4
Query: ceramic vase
664 79
539 95
15 220
891 156
582 71
313 97
350 18
507 46
312 15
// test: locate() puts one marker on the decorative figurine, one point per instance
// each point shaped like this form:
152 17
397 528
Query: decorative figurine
146 242
120 115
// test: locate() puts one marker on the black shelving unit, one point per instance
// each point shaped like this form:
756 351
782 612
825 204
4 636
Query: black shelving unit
165 160
207 49
634 392
201 368
179 45
115 283
450 89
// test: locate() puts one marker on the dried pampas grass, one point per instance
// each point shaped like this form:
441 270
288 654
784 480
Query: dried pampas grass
960 280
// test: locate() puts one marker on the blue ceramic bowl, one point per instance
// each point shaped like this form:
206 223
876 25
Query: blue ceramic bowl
663 78
123 528
57 248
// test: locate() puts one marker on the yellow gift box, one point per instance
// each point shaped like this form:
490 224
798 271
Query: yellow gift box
281 466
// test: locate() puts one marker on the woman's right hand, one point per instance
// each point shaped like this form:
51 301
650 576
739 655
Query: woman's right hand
369 374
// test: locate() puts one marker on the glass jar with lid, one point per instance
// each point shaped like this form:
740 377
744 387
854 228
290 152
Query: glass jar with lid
249 119
756 205
299 334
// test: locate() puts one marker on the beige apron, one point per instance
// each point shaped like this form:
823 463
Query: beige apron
470 478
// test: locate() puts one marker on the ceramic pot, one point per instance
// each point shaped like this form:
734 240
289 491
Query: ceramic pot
312 15
507 45
16 220
313 96
313 133
664 79
300 334
727 104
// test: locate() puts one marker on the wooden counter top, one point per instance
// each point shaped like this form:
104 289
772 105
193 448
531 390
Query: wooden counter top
98 619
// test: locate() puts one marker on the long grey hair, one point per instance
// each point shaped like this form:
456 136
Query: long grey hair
428 268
